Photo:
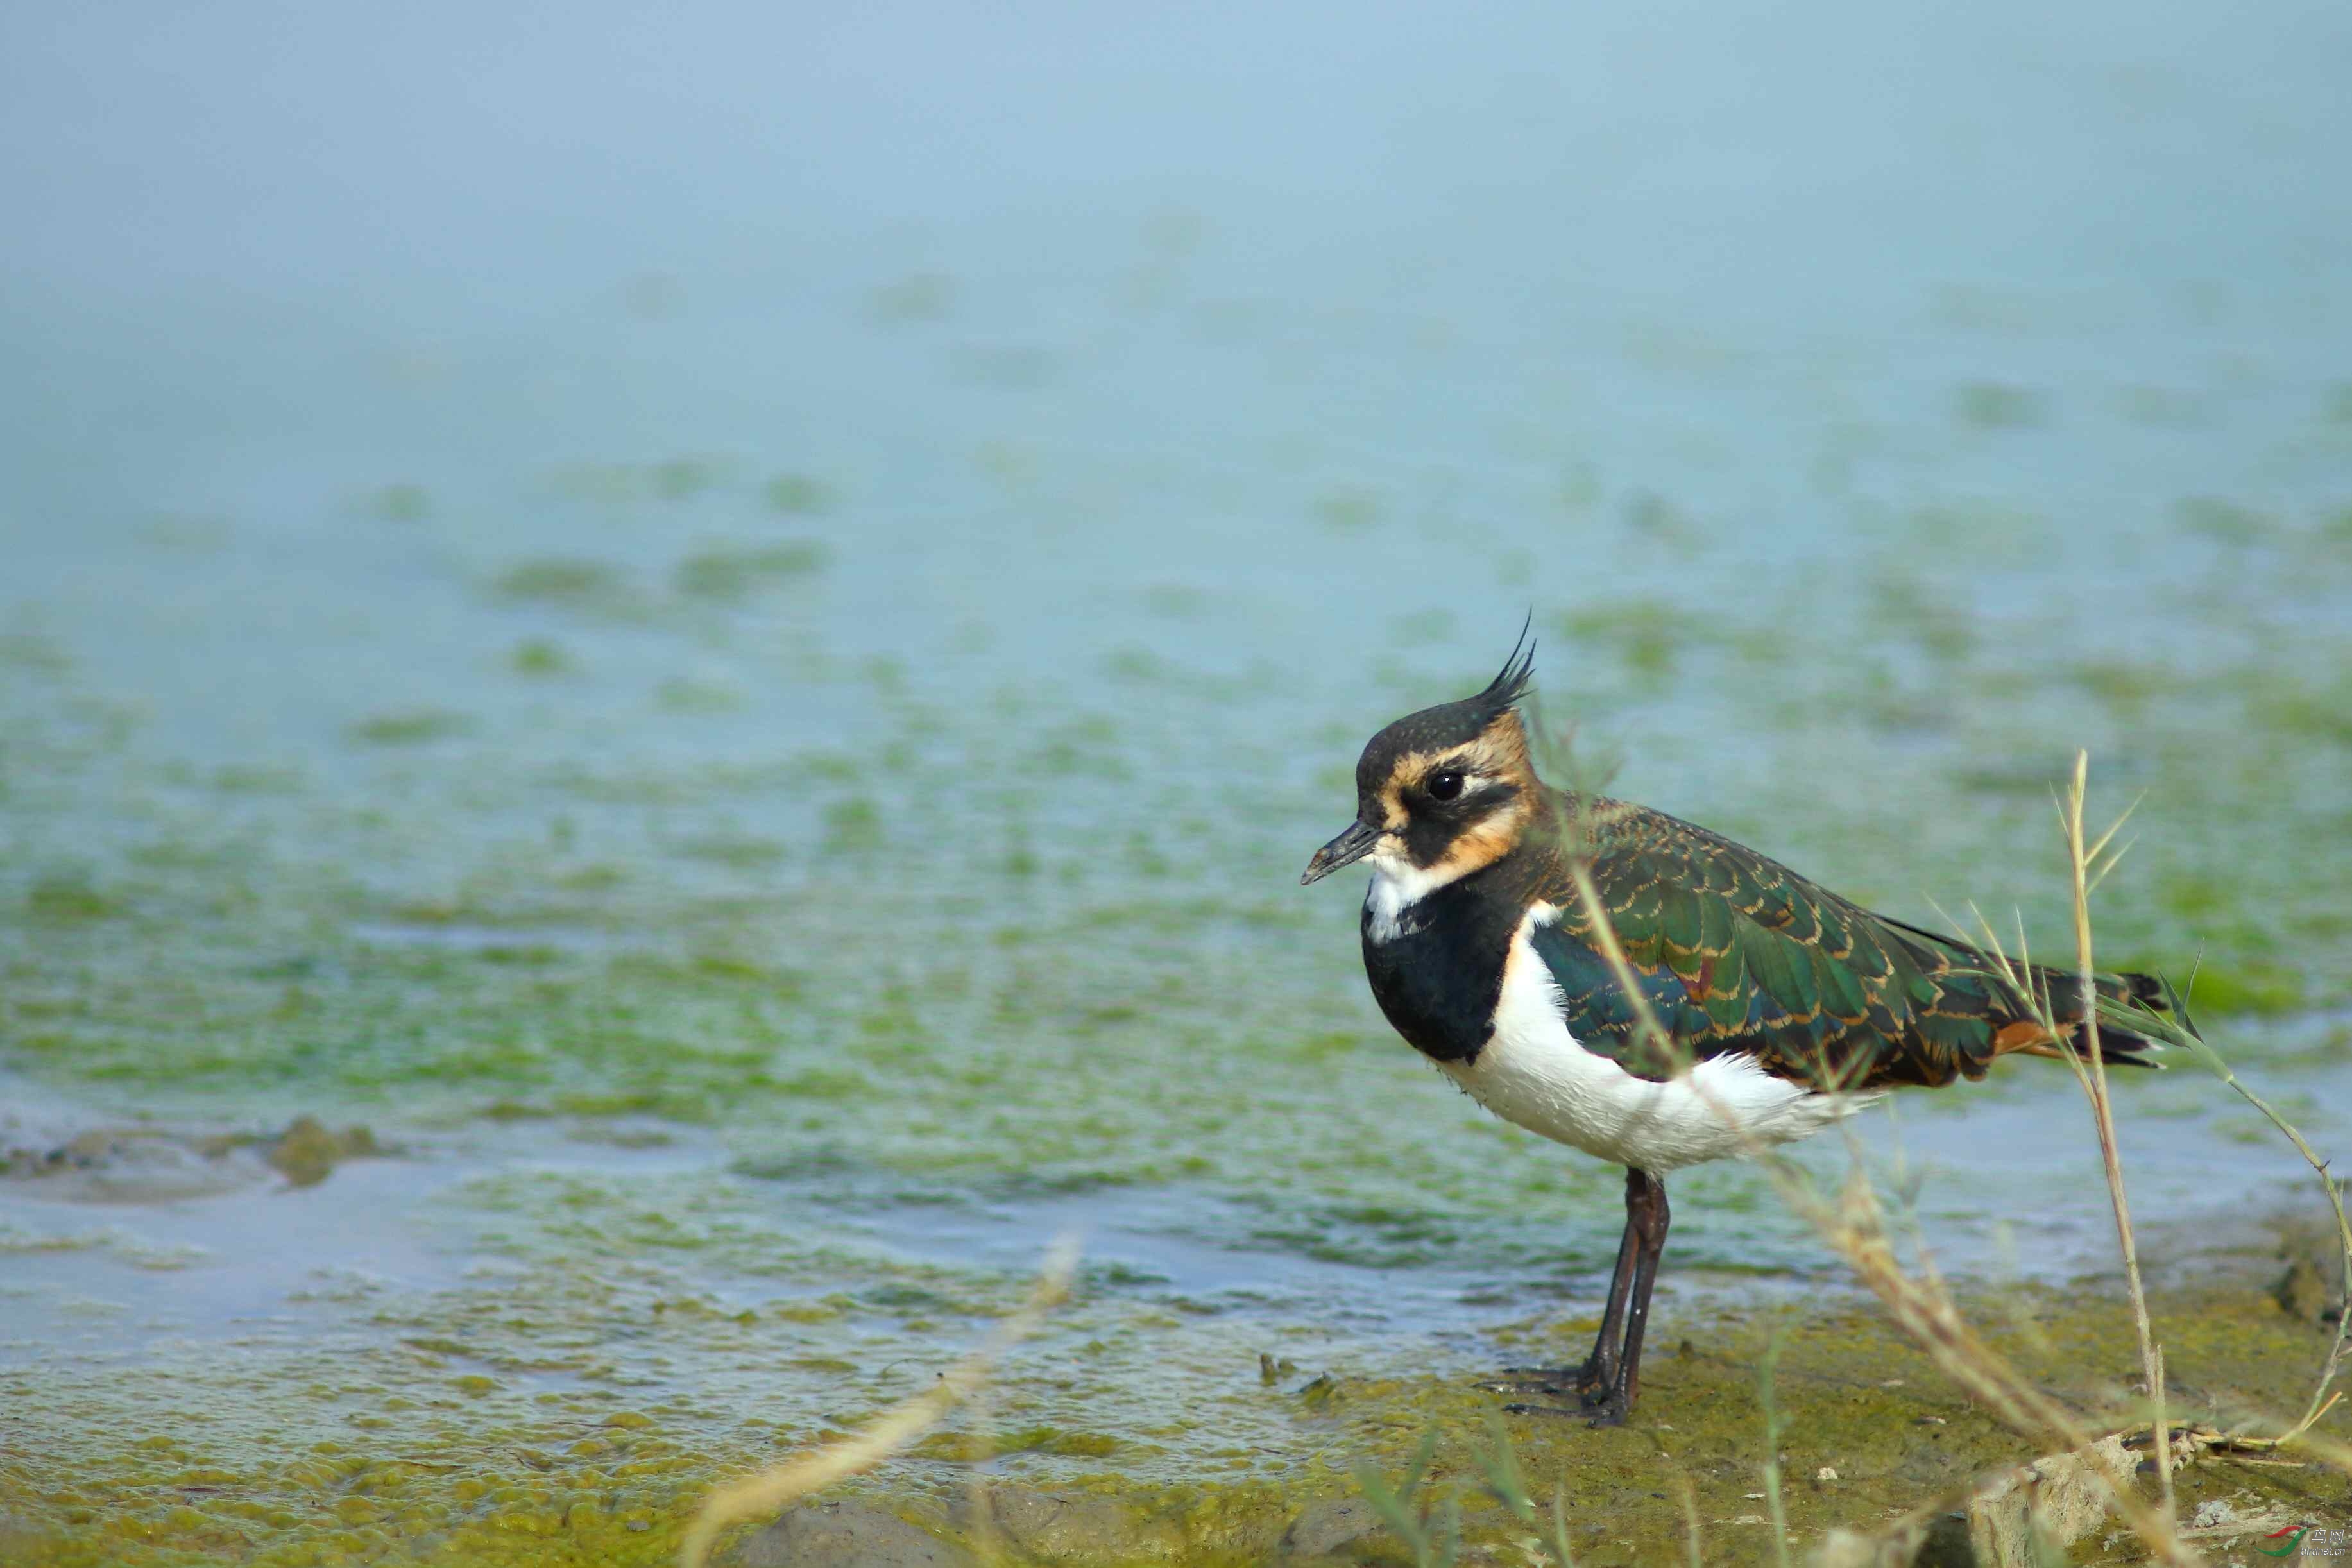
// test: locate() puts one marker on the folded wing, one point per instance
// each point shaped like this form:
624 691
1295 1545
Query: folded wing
1738 954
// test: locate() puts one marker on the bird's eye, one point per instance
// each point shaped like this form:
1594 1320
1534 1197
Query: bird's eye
1444 784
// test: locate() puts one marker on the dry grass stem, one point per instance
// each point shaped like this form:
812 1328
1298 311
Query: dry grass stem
757 1496
2172 1033
2080 856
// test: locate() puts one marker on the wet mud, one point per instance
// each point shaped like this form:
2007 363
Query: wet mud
1871 1434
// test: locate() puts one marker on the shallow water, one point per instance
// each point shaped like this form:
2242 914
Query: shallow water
775 785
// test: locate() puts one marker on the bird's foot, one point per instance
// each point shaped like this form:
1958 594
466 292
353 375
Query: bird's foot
1560 1382
1585 1380
1605 1411
1609 1410
1605 1408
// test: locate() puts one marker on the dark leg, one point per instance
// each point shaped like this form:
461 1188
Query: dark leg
1646 1217
1599 1372
1600 1368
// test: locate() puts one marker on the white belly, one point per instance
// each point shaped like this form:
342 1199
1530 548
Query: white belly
1533 1074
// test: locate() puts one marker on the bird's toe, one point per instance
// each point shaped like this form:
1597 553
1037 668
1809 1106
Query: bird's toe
1557 1382
1605 1408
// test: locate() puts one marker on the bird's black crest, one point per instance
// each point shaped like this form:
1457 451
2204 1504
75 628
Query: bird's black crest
1454 723
1510 683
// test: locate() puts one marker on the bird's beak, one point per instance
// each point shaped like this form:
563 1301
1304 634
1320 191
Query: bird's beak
1345 850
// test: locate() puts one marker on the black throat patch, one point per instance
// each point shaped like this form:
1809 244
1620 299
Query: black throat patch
1439 976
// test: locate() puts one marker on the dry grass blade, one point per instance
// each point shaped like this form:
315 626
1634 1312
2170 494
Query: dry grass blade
2096 858
770 1491
2159 1026
2079 855
1924 1309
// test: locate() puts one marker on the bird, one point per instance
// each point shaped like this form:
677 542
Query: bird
1782 1006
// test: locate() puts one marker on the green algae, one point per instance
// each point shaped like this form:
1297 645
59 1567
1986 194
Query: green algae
852 826
2226 521
677 480
33 653
733 572
744 851
579 584
1646 635
558 579
1998 405
69 897
2255 986
800 495
683 478
402 502
692 694
541 658
411 726
918 297
1348 510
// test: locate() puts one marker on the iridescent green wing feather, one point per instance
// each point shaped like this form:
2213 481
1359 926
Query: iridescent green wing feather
1738 954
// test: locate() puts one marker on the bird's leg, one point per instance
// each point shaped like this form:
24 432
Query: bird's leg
1648 1218
1600 1368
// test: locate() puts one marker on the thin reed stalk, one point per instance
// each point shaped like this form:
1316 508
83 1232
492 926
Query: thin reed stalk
2080 856
1775 1424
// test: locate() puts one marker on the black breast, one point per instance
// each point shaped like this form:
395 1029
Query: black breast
1439 977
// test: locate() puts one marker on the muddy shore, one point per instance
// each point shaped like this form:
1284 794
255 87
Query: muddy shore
1872 1434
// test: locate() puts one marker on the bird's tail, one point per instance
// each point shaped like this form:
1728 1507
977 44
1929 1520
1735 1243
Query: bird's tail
2017 1019
2119 1042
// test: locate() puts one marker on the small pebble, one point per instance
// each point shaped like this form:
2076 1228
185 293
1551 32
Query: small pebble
1826 1473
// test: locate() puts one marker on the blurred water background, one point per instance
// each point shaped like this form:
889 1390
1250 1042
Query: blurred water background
730 627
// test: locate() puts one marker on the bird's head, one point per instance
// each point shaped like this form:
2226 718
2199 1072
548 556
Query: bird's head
1442 792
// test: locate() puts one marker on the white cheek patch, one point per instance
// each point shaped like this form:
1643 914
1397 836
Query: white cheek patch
1397 885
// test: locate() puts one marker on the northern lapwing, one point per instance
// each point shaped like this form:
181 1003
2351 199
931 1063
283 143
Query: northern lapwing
1787 1006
